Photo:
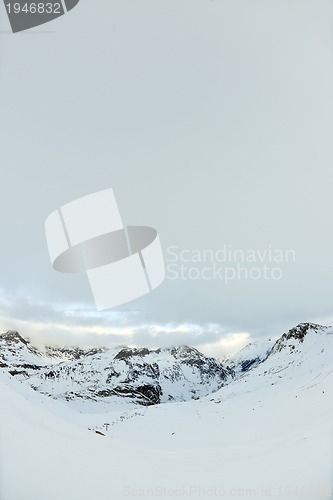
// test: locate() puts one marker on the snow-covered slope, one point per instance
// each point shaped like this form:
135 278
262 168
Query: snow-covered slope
299 356
267 434
250 356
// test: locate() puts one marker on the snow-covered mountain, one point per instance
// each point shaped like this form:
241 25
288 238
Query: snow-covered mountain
108 376
302 345
102 379
250 356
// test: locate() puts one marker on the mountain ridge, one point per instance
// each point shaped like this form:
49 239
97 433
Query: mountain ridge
102 378
138 375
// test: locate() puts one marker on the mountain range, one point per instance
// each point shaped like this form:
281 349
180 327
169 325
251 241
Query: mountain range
107 377
99 378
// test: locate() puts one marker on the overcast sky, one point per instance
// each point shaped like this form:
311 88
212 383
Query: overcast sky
212 122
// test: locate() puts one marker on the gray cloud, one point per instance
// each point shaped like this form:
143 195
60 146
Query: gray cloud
44 325
212 121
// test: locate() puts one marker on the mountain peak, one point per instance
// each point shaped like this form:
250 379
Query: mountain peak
301 330
13 336
128 352
292 339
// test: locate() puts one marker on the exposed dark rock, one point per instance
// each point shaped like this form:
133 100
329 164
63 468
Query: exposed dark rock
130 352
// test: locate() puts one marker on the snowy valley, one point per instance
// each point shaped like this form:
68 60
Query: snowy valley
104 424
